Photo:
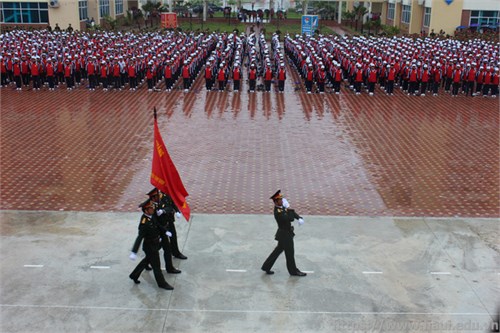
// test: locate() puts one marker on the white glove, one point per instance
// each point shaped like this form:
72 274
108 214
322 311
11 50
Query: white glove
168 233
178 215
285 203
132 256
160 212
301 221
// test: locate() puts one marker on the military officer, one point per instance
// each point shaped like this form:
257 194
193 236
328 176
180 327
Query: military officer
165 212
150 232
284 217
171 211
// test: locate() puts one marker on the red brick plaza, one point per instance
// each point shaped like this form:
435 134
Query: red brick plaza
330 154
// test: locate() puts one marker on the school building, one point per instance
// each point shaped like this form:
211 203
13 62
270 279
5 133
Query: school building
41 13
416 16
410 16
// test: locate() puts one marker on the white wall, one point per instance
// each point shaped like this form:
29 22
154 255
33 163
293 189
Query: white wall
481 5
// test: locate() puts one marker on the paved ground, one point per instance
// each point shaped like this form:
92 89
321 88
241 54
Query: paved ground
80 161
68 272
331 155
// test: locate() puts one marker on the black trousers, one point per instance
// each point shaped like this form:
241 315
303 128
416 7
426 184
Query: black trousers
236 85
167 253
267 85
252 85
281 85
152 258
173 240
169 83
389 87
285 243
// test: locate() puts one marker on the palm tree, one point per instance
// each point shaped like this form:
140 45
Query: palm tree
377 24
359 12
348 16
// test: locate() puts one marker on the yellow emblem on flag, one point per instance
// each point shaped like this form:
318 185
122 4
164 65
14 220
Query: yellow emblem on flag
159 149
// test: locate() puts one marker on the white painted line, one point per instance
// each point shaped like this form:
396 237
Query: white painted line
308 272
236 270
100 267
37 266
486 314
440 273
369 272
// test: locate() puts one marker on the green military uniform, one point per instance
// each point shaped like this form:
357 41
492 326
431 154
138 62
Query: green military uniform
172 209
165 214
284 235
149 233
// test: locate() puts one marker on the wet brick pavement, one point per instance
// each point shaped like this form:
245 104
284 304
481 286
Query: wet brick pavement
330 154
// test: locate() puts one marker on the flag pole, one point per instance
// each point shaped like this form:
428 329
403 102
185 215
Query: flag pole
157 189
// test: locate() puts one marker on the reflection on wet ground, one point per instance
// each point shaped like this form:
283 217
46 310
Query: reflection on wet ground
330 154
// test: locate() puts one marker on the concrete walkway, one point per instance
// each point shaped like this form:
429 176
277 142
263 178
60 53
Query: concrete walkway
68 272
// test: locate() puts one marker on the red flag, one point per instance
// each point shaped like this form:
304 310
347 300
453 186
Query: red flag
164 175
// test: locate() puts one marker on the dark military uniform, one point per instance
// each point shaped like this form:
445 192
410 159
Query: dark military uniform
166 221
170 209
284 235
149 232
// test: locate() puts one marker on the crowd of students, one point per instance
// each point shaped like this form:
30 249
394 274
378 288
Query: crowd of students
418 66
165 60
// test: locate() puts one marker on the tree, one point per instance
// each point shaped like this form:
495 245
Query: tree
359 12
111 23
377 25
151 10
136 16
348 16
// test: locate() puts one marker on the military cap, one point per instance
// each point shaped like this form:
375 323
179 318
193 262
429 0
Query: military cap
154 191
146 204
276 195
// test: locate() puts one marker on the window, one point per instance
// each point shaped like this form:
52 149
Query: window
484 17
24 12
427 17
391 11
118 7
83 9
104 8
406 14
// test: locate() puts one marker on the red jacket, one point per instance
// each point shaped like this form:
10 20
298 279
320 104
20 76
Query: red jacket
168 72
185 72
208 72
104 71
268 74
131 71
252 75
236 74
391 75
281 75
116 70
50 70
495 79
90 68
17 69
35 69
222 75
372 76
457 75
68 71
149 73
